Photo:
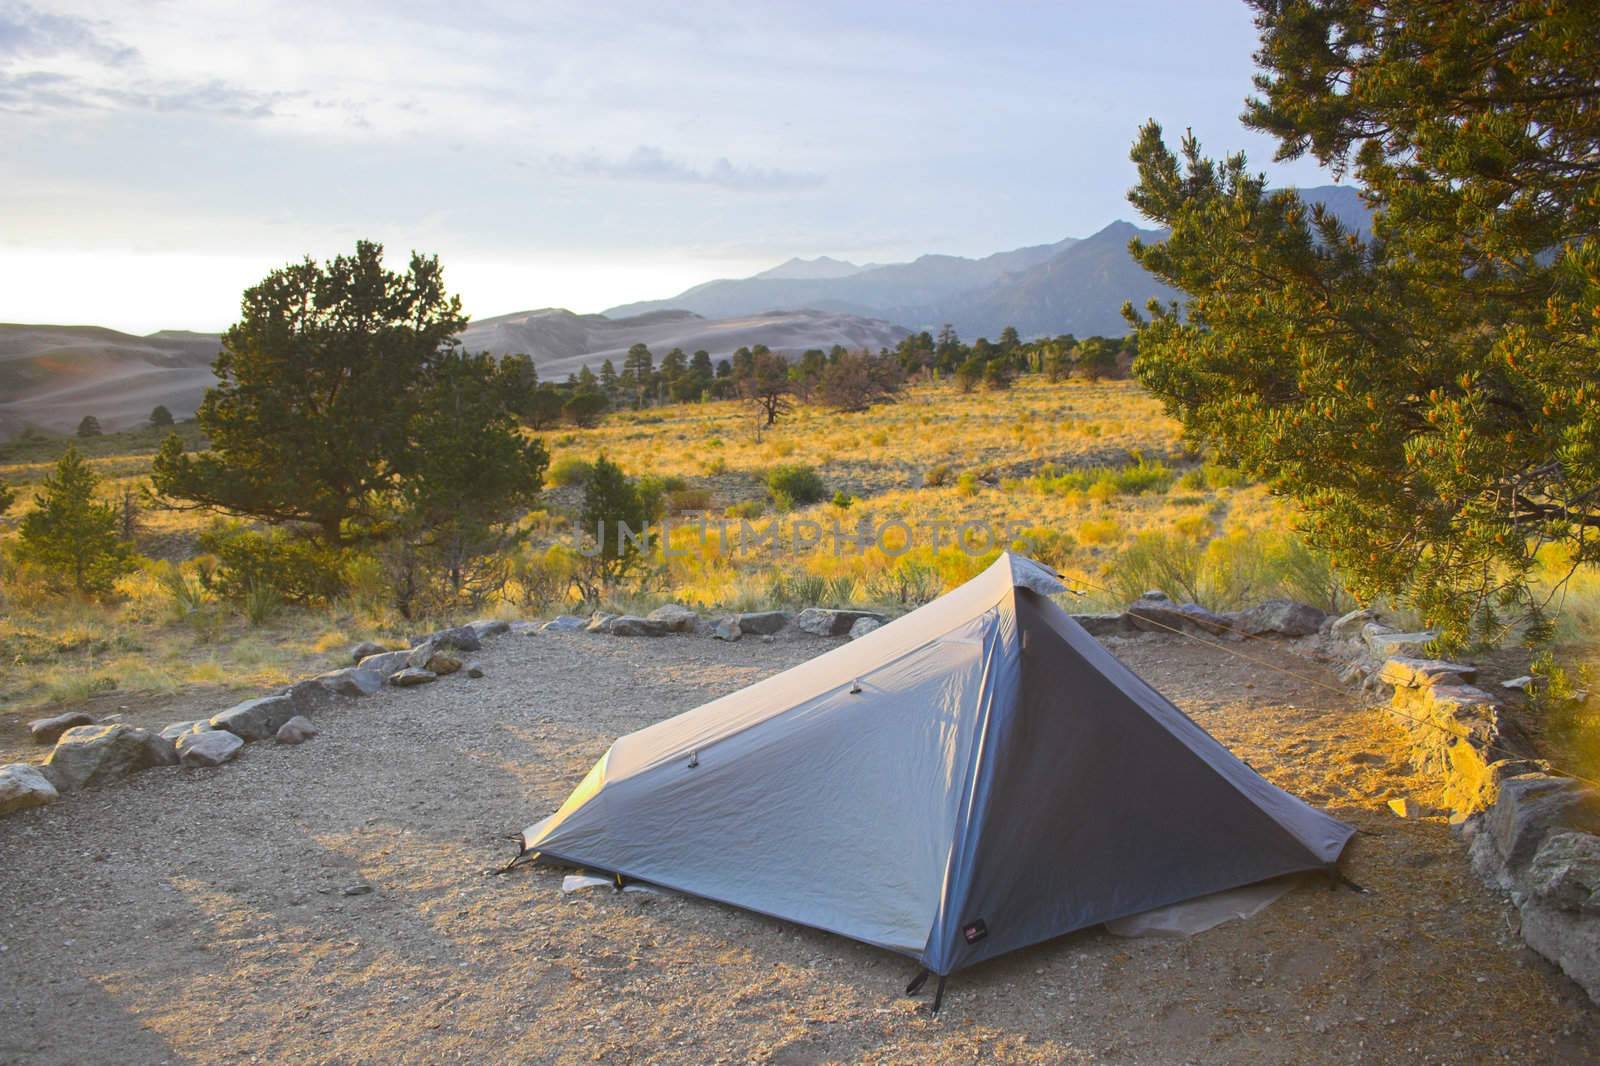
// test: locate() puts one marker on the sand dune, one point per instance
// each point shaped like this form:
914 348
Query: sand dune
51 376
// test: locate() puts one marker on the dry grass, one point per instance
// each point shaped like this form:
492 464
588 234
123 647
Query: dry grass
1074 472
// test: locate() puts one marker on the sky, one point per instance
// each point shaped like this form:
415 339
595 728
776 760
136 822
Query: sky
162 156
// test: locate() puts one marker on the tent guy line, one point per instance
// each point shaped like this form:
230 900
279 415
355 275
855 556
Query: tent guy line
1308 679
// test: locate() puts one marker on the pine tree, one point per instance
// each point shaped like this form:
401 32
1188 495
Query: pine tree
90 427
71 535
1428 395
160 416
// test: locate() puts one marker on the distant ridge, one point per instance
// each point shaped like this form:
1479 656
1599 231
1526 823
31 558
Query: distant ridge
1070 286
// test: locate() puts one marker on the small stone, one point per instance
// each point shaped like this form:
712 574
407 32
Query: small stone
297 730
474 668
49 730
23 786
92 754
366 648
1409 809
676 617
385 663
762 623
355 890
442 664
863 626
461 638
1348 626
352 681
832 622
210 748
255 719
600 622
630 625
488 627
1519 684
412 676
565 623
727 629
178 729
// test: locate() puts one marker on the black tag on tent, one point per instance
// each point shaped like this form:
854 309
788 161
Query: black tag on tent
975 931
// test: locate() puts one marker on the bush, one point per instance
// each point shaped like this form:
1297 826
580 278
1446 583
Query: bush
89 427
751 509
569 470
937 475
1159 561
793 485
1103 483
160 416
72 536
1099 531
688 500
250 562
1223 477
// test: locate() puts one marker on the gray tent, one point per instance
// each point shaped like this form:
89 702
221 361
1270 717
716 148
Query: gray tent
975 777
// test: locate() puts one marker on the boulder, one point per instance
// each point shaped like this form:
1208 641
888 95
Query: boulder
1518 684
762 623
1570 940
600 622
385 663
676 617
863 626
1348 626
92 754
1104 625
1405 672
565 623
1282 618
311 697
727 629
441 663
256 719
49 730
211 748
631 625
832 622
23 786
366 648
474 668
296 730
1384 643
178 729
461 638
421 654
1162 615
484 628
412 676
353 681
1565 871
1526 809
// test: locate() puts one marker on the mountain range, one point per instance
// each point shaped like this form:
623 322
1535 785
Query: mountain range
51 376
1071 286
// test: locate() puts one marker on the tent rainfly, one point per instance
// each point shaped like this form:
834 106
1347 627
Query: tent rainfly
984 773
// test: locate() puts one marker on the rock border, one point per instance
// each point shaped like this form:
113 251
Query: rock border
1531 834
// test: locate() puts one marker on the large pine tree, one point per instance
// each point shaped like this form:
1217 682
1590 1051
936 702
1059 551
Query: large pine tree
1428 394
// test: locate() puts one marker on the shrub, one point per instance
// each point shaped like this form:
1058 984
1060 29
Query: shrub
1159 561
967 485
746 509
793 485
160 416
71 535
89 427
249 562
842 499
1099 531
569 470
1223 477
937 475
688 500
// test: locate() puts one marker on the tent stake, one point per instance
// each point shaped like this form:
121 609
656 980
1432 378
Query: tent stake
917 982
938 995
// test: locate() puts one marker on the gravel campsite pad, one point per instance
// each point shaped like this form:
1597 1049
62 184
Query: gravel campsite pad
328 903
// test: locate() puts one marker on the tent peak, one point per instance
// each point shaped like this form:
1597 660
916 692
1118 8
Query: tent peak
1030 574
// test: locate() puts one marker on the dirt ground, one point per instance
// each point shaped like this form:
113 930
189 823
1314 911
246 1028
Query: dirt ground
210 916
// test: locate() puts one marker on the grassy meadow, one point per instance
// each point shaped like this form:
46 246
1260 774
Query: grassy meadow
1089 476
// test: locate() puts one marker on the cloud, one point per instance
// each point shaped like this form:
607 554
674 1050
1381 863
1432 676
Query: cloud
27 32
649 163
61 63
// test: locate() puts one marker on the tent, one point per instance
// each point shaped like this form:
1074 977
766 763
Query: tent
972 778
